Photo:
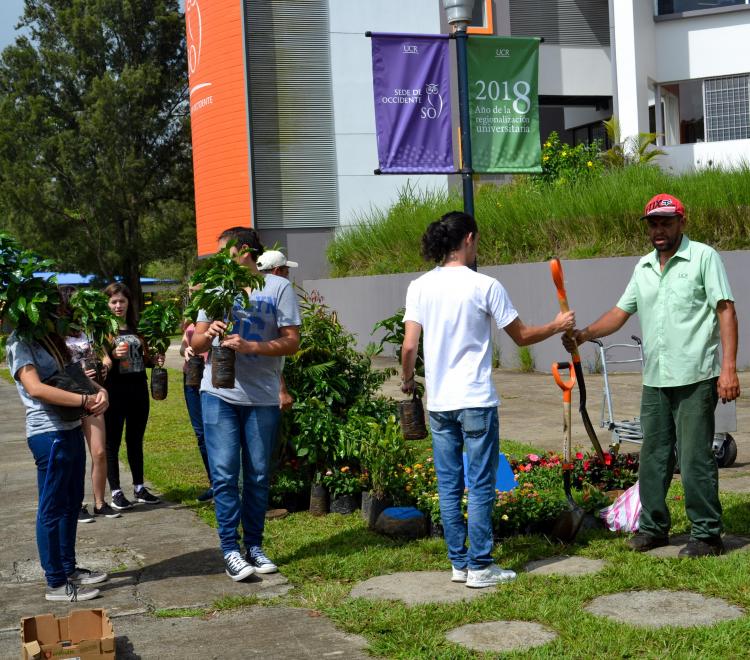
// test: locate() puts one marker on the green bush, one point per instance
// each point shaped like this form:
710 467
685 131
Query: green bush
563 164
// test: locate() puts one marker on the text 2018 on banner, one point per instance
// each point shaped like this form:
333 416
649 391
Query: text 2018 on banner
504 107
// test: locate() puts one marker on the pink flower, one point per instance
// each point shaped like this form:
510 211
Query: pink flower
533 458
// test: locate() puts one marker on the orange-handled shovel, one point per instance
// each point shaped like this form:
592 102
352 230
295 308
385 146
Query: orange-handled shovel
568 522
562 297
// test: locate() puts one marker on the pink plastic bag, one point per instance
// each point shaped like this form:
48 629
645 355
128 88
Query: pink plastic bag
623 514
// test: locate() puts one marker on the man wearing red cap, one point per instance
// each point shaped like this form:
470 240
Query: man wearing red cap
686 309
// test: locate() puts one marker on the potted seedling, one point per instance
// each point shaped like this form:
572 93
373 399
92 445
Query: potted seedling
30 304
158 321
219 283
91 315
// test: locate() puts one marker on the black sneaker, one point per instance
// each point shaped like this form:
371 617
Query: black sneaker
236 567
85 576
84 516
710 547
206 496
259 561
71 592
644 542
142 495
120 502
106 511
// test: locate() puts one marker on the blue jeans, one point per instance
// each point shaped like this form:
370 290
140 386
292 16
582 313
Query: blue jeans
193 403
237 434
60 458
477 430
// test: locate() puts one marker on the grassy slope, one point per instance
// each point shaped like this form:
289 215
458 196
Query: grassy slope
520 223
324 557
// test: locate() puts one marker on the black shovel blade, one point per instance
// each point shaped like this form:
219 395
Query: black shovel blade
568 523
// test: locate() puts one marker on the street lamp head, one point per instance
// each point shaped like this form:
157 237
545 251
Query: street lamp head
458 12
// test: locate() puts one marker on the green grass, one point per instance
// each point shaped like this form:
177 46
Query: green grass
324 557
522 223
5 375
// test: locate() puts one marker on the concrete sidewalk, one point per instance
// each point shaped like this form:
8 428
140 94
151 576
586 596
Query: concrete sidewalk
160 557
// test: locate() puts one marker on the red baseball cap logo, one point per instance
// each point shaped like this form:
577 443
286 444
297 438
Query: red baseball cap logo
663 204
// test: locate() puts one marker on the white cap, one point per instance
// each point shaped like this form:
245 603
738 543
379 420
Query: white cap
271 259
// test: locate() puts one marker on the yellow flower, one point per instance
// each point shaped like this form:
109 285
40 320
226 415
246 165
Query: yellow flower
504 516
418 466
589 164
564 153
547 144
407 470
546 158
345 469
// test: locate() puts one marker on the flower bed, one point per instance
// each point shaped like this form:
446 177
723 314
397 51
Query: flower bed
539 498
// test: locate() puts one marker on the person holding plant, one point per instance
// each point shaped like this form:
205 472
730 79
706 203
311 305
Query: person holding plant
454 307
81 348
53 431
686 308
193 404
128 392
240 422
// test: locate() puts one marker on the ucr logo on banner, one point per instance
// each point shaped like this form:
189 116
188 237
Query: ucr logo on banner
502 52
411 49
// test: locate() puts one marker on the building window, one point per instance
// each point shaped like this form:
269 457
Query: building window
481 18
727 108
664 7
683 112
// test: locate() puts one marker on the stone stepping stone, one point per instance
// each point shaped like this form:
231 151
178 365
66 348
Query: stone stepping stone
417 588
658 609
732 543
565 565
501 636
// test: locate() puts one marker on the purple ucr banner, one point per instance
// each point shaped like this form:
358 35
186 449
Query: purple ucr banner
410 76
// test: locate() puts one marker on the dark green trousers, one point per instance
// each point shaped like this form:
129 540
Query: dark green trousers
683 416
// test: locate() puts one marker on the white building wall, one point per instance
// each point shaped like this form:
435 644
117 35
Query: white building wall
574 71
354 112
702 46
726 154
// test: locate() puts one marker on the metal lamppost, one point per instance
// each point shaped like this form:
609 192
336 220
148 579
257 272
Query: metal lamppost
458 13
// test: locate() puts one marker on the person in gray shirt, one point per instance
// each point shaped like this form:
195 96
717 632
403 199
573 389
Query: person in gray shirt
240 422
56 442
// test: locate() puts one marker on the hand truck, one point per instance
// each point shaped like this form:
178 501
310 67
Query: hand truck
629 430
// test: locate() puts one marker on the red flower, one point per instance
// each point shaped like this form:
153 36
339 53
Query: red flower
607 459
586 465
579 456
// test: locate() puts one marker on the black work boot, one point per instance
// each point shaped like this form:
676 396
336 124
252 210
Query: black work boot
708 547
642 542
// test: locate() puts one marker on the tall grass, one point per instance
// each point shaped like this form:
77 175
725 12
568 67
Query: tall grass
522 222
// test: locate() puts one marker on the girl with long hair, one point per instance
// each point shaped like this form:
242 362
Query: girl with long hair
53 432
129 399
81 348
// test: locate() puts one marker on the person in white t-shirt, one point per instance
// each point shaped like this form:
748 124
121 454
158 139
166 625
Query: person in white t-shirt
454 306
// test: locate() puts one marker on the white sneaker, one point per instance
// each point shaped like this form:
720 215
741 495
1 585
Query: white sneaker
236 567
459 574
488 577
71 593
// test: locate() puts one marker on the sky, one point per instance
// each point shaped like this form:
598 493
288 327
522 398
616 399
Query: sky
10 10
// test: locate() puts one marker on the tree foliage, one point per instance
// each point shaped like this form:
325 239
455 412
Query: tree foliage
632 150
95 164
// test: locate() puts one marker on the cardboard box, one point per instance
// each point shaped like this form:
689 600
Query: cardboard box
83 634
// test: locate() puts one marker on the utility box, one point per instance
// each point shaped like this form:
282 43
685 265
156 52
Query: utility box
83 634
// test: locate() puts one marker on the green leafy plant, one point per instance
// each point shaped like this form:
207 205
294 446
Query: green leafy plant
158 321
383 455
335 390
633 150
29 303
526 508
395 328
563 164
219 281
342 480
91 315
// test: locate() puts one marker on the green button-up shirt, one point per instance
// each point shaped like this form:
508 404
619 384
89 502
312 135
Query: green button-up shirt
677 310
